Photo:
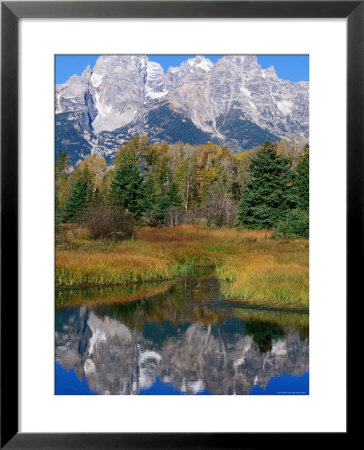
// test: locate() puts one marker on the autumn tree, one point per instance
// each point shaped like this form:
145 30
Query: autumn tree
62 168
137 148
213 168
105 186
184 177
62 185
96 167
159 184
240 172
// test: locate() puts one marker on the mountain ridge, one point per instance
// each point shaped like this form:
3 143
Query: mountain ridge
232 102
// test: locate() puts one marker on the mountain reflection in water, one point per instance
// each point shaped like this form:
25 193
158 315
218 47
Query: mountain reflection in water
184 339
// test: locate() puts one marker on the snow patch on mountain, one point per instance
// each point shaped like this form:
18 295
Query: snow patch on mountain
121 91
201 62
285 107
96 79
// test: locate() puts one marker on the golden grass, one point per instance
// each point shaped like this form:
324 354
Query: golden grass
252 266
276 272
85 268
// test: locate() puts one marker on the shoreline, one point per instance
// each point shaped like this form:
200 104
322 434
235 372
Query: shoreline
252 268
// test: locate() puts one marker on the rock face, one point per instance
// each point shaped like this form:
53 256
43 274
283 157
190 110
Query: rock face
233 102
119 360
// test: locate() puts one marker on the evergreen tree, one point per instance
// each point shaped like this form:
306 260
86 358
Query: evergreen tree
173 198
300 183
78 199
294 225
127 186
172 206
296 222
150 201
58 213
149 194
264 198
158 203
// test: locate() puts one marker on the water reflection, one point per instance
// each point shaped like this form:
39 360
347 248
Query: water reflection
183 339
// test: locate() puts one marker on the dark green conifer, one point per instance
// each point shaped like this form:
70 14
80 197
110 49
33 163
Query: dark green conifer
127 186
264 198
58 213
173 197
78 199
300 182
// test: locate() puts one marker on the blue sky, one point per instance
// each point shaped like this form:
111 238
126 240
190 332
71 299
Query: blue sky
289 67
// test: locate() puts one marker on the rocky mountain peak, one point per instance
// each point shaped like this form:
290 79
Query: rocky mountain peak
86 74
239 63
270 72
234 102
200 62
193 68
155 86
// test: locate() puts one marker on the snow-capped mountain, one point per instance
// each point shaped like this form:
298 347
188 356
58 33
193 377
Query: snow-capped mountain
233 102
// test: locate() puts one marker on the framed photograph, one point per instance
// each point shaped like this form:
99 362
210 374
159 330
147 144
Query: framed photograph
181 224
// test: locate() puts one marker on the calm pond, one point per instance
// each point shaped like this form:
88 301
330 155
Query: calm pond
176 338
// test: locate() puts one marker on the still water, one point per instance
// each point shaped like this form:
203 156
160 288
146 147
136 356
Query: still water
173 339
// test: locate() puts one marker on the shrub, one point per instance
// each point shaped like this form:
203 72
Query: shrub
173 216
294 224
193 216
106 221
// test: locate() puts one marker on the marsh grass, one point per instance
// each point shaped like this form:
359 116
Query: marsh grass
251 266
270 272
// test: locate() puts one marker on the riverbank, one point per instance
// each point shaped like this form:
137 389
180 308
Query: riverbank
249 264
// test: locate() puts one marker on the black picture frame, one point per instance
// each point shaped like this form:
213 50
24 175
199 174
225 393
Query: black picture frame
11 12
